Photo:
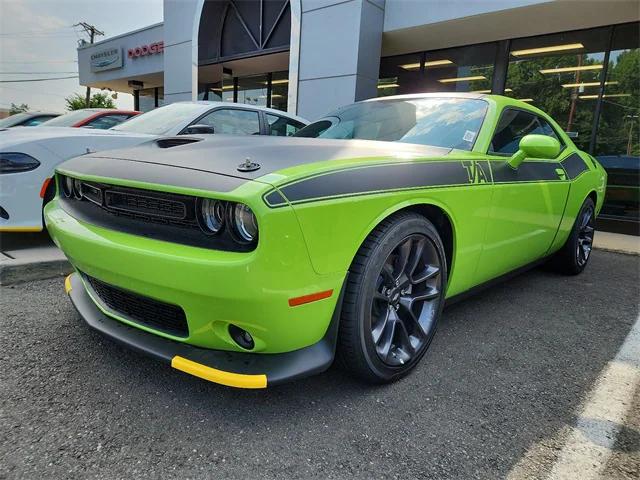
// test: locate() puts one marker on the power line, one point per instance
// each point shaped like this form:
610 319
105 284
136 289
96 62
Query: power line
33 73
36 35
37 62
31 92
36 79
36 32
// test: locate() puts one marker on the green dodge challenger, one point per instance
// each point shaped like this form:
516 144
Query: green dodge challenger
255 261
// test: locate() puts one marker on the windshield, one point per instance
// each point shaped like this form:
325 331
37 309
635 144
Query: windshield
439 122
162 120
69 119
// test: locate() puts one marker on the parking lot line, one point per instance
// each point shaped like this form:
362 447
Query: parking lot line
590 443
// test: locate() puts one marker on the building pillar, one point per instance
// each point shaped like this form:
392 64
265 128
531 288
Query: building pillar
338 55
181 21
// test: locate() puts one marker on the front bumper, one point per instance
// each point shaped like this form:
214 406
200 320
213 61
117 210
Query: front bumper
233 369
214 288
20 198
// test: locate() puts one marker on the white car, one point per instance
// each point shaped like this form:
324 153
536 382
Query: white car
28 156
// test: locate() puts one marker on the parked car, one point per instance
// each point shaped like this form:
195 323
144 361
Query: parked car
27 119
28 156
99 118
622 189
258 267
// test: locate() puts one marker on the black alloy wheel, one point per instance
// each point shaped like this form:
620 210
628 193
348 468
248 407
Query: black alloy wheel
585 236
574 255
405 302
393 299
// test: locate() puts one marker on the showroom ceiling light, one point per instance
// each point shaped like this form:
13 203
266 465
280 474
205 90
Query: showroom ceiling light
586 84
388 85
438 63
571 69
279 82
429 64
462 79
610 95
526 99
489 91
549 49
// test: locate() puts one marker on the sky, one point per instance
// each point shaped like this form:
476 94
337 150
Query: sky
38 36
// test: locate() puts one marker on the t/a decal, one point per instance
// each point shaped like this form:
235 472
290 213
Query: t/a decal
475 172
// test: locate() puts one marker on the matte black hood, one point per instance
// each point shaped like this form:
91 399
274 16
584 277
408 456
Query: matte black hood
225 154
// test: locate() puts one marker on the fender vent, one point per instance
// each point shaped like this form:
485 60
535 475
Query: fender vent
176 141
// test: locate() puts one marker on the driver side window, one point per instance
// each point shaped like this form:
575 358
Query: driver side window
232 121
515 124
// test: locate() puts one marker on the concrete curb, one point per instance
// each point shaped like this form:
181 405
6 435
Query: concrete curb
615 250
617 243
19 272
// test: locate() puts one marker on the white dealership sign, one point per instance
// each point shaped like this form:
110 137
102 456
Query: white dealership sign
108 59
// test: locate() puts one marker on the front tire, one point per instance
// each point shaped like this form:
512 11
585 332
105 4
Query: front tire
393 299
574 255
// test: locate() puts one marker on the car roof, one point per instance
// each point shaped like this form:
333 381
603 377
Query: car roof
113 110
409 96
501 99
36 113
211 103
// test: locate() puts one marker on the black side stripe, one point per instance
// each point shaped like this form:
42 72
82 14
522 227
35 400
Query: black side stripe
405 176
531 171
574 165
375 178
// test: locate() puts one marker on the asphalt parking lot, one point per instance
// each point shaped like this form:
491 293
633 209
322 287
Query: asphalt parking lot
493 397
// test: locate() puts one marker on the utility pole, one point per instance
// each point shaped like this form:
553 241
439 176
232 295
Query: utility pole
92 31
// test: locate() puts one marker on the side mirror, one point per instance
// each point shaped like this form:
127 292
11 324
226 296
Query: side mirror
535 146
199 129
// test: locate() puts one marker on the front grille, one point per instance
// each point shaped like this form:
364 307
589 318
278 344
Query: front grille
154 214
145 205
144 310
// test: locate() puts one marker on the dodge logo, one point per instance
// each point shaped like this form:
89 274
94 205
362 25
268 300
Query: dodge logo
144 50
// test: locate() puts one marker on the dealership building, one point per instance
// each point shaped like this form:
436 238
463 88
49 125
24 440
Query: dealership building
577 60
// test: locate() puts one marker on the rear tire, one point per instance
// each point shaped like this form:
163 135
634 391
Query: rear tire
574 255
393 299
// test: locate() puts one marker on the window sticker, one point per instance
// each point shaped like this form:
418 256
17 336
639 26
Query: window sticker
469 136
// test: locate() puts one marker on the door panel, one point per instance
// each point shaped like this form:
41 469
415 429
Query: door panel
527 202
524 219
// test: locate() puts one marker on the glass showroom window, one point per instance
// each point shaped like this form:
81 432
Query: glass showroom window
146 99
253 90
618 139
279 90
160 94
560 74
400 74
216 92
466 69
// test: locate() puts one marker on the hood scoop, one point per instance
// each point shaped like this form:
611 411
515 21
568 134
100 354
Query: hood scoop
170 142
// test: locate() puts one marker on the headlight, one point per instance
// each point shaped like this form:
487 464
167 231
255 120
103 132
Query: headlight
17 162
245 223
77 188
66 185
210 215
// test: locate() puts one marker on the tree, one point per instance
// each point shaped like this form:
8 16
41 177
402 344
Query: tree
98 100
23 107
